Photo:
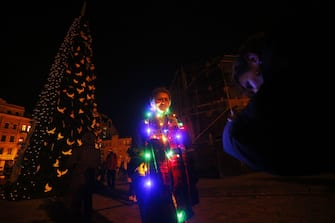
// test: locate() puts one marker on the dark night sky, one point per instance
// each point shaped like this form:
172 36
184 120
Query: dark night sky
137 46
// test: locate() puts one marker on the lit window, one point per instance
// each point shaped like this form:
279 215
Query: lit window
24 128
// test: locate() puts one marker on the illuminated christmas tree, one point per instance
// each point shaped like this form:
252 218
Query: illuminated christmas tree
65 114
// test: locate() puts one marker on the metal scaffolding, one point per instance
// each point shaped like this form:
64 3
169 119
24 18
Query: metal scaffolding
203 95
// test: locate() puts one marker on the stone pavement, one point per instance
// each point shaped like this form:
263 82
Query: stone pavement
249 198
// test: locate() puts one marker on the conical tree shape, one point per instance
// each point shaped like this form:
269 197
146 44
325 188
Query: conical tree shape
65 114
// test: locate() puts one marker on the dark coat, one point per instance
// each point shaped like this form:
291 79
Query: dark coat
280 130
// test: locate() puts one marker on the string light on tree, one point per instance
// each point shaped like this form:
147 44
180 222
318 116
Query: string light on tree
65 112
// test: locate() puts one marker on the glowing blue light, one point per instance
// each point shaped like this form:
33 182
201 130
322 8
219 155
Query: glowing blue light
148 183
148 131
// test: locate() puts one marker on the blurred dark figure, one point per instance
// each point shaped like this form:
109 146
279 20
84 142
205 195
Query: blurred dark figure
136 158
84 163
281 131
111 168
101 177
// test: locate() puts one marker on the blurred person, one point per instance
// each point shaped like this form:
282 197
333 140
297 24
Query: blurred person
169 200
279 130
101 177
83 163
111 169
135 160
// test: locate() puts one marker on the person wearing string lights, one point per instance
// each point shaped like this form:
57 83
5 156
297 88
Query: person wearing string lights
166 164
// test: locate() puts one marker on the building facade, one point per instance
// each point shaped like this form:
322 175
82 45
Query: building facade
14 129
111 141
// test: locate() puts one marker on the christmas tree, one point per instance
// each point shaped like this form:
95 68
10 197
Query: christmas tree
64 116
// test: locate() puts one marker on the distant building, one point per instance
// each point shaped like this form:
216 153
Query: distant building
14 129
112 141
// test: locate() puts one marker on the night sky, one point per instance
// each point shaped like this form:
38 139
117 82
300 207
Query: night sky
137 46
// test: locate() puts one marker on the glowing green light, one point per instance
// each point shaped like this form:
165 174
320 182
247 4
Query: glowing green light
181 215
147 155
169 154
148 114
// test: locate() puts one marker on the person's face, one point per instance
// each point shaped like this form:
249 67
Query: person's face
162 101
251 81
